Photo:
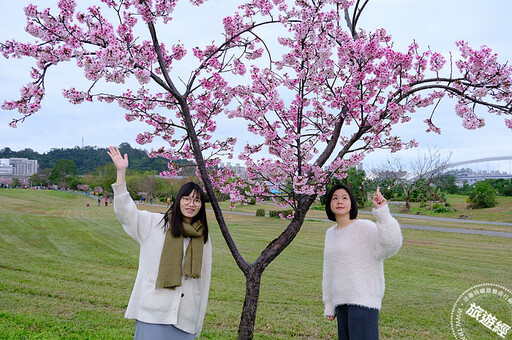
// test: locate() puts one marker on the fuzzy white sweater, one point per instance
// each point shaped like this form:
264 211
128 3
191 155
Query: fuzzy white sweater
353 270
185 306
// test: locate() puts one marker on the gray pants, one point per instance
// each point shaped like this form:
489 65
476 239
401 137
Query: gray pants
151 331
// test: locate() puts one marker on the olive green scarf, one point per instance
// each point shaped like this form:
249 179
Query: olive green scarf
170 269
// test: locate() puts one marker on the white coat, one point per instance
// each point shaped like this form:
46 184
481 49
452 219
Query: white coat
183 307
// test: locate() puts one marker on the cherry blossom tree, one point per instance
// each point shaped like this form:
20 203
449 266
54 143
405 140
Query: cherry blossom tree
316 92
6 182
83 187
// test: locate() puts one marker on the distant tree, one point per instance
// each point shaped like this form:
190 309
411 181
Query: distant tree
6 153
64 173
164 187
147 183
483 195
104 176
41 178
466 188
388 187
416 175
502 186
446 182
141 161
6 182
428 192
16 183
27 153
507 188
82 187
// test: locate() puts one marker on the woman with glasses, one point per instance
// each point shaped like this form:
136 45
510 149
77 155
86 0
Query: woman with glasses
170 294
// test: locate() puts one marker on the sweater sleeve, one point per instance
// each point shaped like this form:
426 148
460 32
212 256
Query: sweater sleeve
206 273
326 282
389 233
135 222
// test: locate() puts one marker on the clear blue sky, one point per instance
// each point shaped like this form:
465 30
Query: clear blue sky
434 23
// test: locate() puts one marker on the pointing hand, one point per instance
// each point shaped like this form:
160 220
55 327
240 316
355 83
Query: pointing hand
378 200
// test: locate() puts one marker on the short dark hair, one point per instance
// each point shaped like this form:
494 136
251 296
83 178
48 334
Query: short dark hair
353 202
176 221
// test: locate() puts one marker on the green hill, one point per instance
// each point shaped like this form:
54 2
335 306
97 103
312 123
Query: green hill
89 158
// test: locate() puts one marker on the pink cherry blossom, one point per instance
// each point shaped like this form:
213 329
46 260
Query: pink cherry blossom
314 106
508 123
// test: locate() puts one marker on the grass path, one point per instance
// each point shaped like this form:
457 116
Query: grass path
66 271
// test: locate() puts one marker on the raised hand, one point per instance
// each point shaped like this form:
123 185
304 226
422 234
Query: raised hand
378 200
120 162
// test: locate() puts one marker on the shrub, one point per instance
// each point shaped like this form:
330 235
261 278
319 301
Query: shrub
276 213
436 206
260 212
441 210
483 195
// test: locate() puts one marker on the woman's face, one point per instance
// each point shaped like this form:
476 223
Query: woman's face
190 206
340 203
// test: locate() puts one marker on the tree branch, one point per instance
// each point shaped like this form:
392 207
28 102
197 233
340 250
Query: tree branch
171 88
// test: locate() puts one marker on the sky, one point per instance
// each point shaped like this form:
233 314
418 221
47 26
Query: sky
437 24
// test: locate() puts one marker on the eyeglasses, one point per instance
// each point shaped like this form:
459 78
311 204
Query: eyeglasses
188 200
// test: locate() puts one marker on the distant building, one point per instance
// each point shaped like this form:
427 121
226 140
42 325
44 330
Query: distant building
17 167
470 176
237 169
5 168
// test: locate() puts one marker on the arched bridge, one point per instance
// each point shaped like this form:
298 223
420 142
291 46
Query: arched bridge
480 160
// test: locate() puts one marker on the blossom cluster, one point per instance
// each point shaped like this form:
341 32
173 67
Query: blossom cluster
315 105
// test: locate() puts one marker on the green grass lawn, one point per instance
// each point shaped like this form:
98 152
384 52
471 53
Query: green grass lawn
66 271
502 212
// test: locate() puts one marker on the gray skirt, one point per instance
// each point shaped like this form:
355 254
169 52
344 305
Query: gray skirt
151 331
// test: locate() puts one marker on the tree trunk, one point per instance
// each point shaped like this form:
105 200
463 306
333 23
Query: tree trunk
408 202
252 292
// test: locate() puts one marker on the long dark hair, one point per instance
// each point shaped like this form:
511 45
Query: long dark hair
176 222
353 202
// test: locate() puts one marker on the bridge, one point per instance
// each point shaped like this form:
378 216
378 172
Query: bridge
480 160
471 176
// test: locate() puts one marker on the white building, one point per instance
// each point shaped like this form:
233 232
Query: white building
5 168
17 167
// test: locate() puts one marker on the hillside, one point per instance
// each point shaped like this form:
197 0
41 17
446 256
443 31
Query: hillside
89 158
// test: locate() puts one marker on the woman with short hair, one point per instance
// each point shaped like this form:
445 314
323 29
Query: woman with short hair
353 272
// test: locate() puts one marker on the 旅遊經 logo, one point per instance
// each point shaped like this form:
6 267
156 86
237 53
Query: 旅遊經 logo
483 311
